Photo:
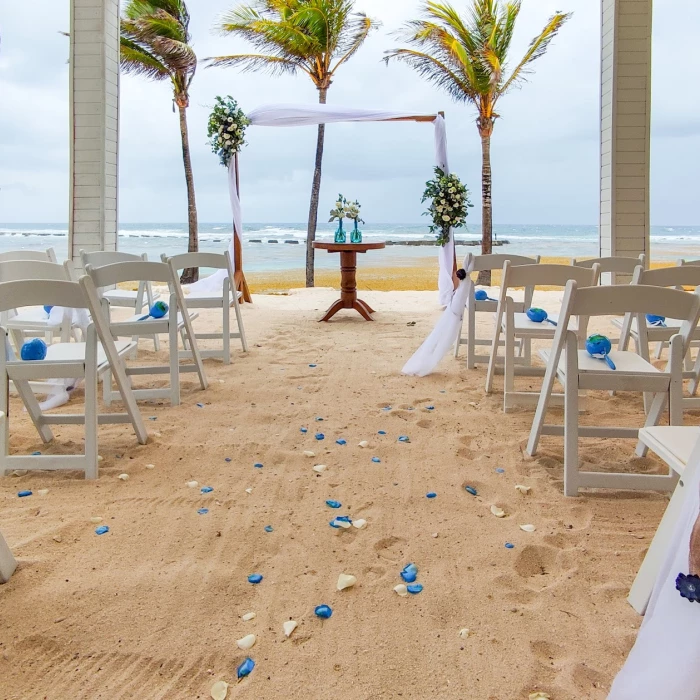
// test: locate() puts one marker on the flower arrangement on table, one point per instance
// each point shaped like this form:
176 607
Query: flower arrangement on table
350 210
226 129
450 204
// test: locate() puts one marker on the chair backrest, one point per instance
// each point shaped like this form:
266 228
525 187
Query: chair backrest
496 261
683 276
215 261
136 271
548 275
48 255
21 293
36 270
100 258
688 262
621 265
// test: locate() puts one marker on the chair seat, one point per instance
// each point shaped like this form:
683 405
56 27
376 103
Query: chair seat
627 363
75 352
524 326
674 444
31 317
149 325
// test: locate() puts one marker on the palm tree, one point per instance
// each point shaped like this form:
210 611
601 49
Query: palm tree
468 59
314 37
155 43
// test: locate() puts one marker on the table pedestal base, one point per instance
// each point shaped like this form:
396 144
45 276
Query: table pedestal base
362 307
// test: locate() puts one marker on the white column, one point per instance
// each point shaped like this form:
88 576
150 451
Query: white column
94 124
625 127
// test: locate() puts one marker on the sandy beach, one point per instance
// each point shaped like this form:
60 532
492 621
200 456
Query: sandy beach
153 608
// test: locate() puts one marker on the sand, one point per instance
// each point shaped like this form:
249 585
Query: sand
153 608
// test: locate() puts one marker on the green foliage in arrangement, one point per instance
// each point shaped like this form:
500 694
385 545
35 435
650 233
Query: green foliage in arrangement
226 129
449 204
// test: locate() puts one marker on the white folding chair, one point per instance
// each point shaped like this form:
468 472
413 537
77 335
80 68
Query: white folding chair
478 263
577 371
8 564
35 320
224 300
677 277
48 255
77 361
127 298
516 326
177 320
610 267
675 445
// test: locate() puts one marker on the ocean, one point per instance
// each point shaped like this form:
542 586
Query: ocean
271 247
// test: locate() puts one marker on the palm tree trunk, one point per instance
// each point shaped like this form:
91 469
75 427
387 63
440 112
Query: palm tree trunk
315 194
487 212
190 274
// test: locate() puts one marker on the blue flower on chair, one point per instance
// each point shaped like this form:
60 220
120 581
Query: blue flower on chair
689 587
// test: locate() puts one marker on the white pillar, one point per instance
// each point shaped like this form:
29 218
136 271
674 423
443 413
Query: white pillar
94 123
625 127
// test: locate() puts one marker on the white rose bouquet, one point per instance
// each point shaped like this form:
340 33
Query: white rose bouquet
226 129
450 204
352 211
338 212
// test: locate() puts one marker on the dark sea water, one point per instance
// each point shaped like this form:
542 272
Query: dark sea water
667 242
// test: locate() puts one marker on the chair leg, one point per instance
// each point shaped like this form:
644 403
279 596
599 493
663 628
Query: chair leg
458 342
107 388
227 335
491 372
241 329
656 410
571 417
8 564
91 409
471 337
174 361
659 349
509 362
33 409
4 406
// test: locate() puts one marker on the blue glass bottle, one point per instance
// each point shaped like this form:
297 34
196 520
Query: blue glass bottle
356 235
340 233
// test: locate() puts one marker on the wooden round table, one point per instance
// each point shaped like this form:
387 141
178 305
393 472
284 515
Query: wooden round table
348 279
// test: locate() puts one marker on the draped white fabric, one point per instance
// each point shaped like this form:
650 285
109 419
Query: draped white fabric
288 115
443 337
664 660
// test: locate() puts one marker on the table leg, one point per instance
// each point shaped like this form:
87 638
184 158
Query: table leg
348 278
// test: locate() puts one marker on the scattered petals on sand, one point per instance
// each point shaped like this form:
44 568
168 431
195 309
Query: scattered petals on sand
538 696
309 453
96 519
255 578
246 668
409 573
193 484
509 545
203 511
320 436
248 616
123 477
102 530
415 588
57 538
431 494
249 491
206 489
341 441
464 633
150 466
323 611
498 512
523 489
219 690
42 492
320 468
401 590
500 470
363 444
346 581
258 465
376 460
289 627
528 528
471 490
269 528
247 642
334 504
360 523
24 494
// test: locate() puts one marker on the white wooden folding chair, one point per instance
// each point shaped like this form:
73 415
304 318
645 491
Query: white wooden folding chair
126 298
577 371
517 327
77 361
478 263
675 445
177 320
8 564
48 255
677 277
224 300
612 266
35 320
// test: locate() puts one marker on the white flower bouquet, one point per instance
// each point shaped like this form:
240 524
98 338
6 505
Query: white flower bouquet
450 204
352 211
226 129
338 211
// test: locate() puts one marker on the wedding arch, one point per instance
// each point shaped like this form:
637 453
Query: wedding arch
286 115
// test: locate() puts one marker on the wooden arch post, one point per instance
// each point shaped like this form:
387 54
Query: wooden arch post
239 276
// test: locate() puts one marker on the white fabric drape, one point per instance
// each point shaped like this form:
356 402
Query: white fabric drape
443 337
664 660
288 115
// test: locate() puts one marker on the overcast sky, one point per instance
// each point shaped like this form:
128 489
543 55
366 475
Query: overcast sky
545 146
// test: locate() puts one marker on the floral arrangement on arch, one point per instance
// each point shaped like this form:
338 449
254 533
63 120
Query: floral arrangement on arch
226 129
450 204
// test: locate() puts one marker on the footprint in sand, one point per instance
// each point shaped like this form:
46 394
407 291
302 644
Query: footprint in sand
390 548
538 562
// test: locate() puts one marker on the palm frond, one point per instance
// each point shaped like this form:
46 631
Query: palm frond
538 48
138 61
254 62
436 72
158 24
363 26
